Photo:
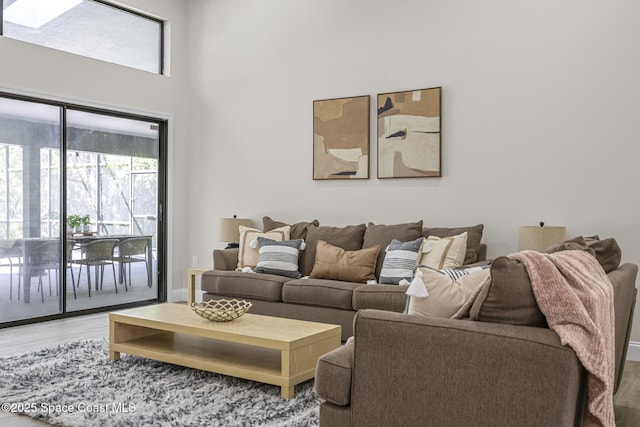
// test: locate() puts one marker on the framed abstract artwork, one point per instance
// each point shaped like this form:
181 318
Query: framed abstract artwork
409 143
341 138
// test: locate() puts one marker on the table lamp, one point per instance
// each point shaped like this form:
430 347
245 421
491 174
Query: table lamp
229 229
539 238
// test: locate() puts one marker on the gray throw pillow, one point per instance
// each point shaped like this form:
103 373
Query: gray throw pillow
278 257
399 261
381 235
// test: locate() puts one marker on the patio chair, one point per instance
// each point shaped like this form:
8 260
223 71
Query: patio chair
97 253
70 245
44 258
132 250
13 256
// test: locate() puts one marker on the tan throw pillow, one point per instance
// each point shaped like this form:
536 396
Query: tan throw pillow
446 295
444 252
248 256
348 238
335 263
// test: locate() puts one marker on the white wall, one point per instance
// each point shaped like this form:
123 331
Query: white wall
540 113
35 70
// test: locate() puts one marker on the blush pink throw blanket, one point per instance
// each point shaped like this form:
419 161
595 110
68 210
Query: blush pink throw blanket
576 296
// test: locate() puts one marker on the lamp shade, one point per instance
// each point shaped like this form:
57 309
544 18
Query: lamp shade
229 229
538 238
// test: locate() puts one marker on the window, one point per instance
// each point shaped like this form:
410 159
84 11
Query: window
90 28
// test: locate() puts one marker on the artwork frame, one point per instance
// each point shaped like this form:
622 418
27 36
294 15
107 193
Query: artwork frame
409 134
341 133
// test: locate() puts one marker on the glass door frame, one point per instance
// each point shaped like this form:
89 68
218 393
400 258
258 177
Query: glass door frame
161 237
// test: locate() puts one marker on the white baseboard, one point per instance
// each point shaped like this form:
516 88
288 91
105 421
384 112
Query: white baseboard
633 352
181 295
177 295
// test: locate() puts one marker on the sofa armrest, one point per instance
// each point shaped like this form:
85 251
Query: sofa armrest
623 280
482 252
225 259
408 369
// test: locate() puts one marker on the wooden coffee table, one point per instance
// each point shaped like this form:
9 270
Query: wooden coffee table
272 350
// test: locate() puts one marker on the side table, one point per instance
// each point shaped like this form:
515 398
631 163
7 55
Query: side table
192 273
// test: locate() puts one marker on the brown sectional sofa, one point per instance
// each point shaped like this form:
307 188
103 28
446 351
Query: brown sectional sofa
506 368
322 300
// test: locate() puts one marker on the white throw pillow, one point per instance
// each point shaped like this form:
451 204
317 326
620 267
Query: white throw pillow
446 295
444 252
248 256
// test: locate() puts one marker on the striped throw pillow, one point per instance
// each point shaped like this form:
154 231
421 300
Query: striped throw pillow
449 290
399 261
278 257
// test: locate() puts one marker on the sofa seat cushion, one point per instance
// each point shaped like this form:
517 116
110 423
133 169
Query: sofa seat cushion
380 297
320 292
236 284
333 375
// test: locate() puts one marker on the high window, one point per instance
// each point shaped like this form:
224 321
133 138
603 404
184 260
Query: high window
91 28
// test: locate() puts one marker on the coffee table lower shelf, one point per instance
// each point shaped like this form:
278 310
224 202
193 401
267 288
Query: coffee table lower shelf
256 361
226 358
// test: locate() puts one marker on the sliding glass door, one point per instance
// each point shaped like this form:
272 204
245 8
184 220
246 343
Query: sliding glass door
80 197
113 256
30 144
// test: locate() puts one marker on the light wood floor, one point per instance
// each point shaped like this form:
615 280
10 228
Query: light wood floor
21 339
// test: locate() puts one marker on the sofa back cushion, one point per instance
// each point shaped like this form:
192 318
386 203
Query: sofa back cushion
508 297
574 244
474 236
298 230
348 238
381 235
606 251
335 263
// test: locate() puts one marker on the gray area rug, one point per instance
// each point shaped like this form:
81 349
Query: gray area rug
141 392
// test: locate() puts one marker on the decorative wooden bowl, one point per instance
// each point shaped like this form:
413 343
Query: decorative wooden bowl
222 310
